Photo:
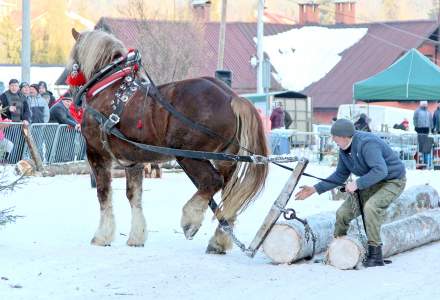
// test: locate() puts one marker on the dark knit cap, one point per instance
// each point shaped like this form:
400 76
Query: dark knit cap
13 80
35 86
342 127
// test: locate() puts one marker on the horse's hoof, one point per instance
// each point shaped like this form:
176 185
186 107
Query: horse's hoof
213 250
134 244
97 242
190 231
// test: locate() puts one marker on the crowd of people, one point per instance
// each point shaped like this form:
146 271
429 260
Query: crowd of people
34 103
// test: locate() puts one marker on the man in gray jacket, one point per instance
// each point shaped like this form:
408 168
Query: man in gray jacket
422 119
381 179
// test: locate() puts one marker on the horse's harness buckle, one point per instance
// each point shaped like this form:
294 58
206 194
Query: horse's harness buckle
112 120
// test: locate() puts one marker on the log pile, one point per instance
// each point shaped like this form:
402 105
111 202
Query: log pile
286 242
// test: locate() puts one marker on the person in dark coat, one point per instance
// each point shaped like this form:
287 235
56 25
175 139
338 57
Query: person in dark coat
436 120
277 118
362 123
14 104
59 113
287 120
381 179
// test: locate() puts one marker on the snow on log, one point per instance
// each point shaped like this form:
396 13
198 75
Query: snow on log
399 236
286 241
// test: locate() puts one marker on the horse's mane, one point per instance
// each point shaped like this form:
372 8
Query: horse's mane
94 50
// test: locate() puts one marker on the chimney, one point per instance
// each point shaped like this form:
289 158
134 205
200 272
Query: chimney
201 10
345 12
308 13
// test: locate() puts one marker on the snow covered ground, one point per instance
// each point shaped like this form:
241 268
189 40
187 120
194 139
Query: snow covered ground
47 254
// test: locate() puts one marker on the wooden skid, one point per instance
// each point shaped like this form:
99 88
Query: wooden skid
275 211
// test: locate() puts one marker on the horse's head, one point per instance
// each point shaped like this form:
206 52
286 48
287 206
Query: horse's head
92 51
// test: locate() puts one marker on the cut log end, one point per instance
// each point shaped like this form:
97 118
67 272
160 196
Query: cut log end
282 244
344 253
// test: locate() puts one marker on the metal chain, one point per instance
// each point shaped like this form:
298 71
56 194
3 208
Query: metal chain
357 210
290 214
229 231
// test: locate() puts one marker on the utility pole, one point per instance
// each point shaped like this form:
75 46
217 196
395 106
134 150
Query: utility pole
260 34
221 39
26 42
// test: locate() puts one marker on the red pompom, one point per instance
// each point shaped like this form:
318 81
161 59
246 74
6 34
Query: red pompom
77 80
139 124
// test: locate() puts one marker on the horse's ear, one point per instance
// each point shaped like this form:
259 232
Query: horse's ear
75 34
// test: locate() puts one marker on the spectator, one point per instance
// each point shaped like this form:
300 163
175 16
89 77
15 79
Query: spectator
403 126
277 117
287 119
436 120
59 113
38 106
426 144
6 145
15 104
24 89
422 119
48 95
362 123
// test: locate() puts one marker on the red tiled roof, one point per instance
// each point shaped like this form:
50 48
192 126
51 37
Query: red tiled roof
239 47
383 44
379 48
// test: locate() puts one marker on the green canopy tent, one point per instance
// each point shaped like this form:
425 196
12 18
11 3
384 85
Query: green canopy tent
413 77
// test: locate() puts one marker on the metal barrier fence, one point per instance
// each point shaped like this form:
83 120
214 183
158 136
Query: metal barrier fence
320 148
55 143
62 143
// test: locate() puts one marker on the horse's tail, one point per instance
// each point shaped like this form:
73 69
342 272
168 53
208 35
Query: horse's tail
248 179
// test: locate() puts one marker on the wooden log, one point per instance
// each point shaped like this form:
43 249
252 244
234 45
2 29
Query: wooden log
345 252
38 163
277 207
415 199
287 241
399 236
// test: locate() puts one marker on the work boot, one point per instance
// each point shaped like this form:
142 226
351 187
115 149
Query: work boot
374 257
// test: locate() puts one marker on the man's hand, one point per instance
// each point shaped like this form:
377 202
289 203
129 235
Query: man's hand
78 126
12 108
305 192
351 187
25 123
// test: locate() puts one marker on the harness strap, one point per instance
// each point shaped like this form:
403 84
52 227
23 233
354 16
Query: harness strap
203 155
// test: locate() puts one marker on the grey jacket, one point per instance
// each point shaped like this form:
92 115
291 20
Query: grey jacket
370 158
422 118
39 109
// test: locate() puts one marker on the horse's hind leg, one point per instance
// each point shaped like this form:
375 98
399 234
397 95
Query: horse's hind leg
138 230
220 242
208 182
101 168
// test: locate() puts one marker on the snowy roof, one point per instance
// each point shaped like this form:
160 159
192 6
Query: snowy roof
304 55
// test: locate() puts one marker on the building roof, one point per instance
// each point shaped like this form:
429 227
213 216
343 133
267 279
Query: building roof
383 44
239 47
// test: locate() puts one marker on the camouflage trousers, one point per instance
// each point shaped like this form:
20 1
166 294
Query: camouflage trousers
375 201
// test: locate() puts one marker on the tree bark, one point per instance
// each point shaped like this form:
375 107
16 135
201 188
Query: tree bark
399 236
286 241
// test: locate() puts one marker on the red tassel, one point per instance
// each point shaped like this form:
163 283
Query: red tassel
139 124
77 80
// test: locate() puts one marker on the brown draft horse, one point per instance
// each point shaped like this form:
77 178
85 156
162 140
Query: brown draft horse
206 101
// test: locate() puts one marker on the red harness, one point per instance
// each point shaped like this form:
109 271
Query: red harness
104 83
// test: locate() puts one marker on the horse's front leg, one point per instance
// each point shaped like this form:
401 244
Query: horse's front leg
101 168
138 232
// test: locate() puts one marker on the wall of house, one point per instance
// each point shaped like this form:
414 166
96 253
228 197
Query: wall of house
324 116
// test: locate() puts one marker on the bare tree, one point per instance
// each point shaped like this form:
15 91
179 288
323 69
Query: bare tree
171 50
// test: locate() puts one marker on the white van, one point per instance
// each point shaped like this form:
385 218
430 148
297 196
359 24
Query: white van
383 118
